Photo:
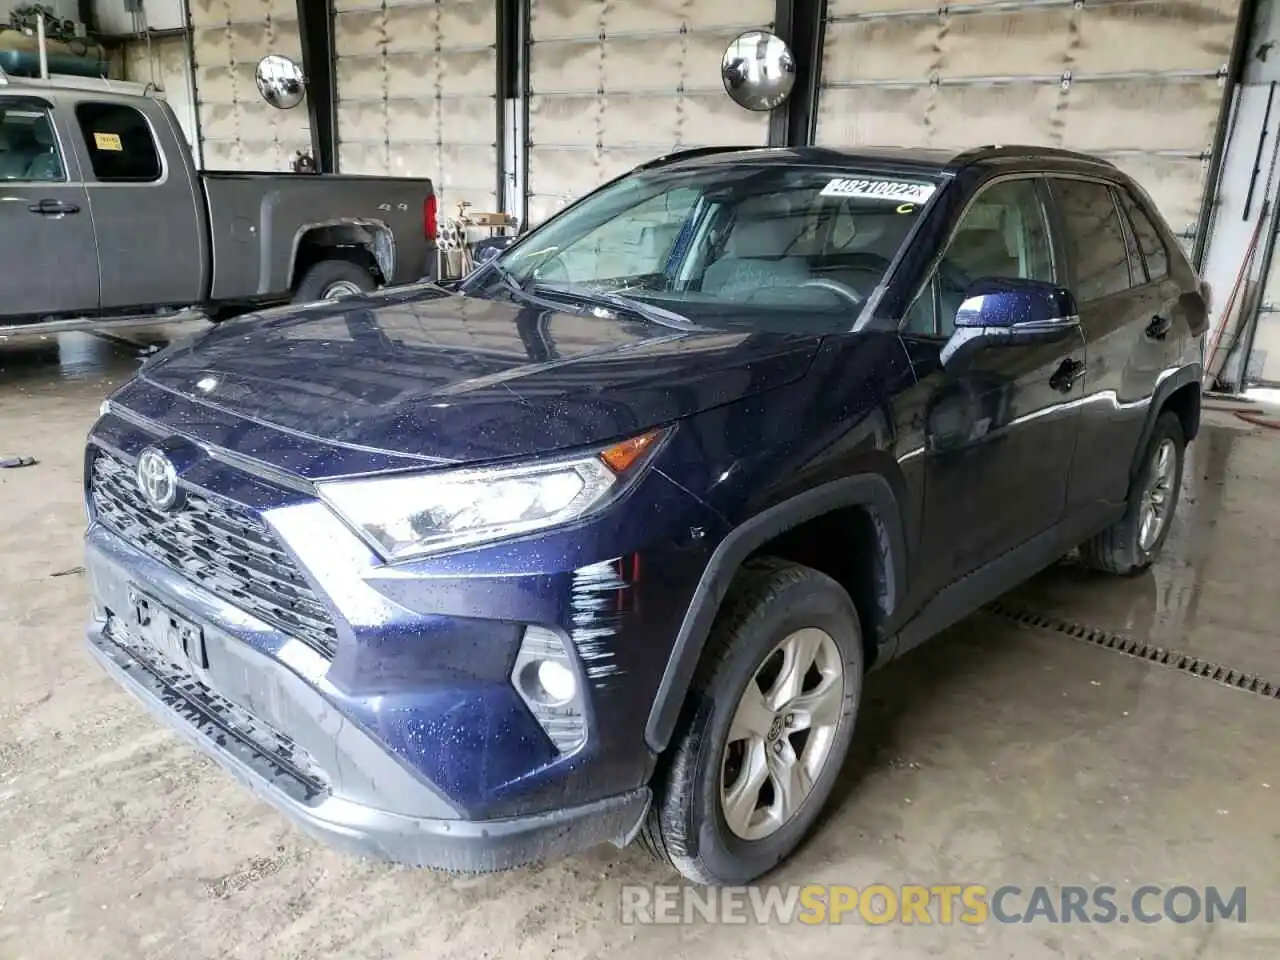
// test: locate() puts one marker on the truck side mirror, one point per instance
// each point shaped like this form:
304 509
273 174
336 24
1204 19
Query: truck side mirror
1007 312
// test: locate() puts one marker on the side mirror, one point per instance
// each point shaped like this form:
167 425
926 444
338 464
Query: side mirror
999 312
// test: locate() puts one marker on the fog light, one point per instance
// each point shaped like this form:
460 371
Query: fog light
545 677
557 680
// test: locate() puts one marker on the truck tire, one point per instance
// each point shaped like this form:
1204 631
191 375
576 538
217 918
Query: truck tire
760 742
1131 544
333 278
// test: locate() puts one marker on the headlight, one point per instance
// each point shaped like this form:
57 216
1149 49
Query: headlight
422 513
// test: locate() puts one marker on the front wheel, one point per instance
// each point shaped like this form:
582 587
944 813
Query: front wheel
1132 543
333 278
766 729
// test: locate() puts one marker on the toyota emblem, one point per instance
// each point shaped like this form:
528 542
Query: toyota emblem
157 479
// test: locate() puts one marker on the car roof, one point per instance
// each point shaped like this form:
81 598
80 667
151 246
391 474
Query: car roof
923 160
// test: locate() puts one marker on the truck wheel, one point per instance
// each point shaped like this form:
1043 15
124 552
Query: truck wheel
1133 542
766 726
333 278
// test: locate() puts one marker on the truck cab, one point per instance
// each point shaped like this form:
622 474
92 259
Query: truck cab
104 217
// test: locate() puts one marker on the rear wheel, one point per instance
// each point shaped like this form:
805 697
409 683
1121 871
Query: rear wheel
766 728
1132 543
333 278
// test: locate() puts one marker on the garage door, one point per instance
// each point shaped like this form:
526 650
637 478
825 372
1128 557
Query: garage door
613 84
416 94
1139 82
163 62
238 130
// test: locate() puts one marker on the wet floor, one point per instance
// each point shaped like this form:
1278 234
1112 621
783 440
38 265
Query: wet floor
1214 594
49 362
995 754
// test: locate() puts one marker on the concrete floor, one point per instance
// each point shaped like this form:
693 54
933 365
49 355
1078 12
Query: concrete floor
997 754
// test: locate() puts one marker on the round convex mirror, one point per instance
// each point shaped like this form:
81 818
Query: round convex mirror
758 70
280 81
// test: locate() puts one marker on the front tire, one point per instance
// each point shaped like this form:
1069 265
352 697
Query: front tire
1132 543
766 728
333 278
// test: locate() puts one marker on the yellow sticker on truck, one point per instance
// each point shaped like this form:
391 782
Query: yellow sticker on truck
108 141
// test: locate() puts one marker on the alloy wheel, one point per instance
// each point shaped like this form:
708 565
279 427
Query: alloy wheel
781 734
1157 497
340 288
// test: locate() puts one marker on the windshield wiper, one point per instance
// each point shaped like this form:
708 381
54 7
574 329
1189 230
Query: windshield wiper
522 292
656 314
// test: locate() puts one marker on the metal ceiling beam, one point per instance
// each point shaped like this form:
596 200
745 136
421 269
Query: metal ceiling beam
801 23
319 54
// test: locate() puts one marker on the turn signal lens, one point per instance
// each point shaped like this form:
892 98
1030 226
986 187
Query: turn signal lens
621 457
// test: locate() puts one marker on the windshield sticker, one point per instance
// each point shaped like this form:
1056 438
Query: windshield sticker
893 190
108 141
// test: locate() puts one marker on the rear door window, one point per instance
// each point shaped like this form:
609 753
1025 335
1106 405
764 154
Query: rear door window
1154 254
120 144
1094 238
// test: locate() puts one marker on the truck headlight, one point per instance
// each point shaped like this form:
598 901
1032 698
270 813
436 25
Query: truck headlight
413 515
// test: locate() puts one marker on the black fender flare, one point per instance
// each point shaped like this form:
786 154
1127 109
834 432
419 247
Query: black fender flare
1181 377
869 490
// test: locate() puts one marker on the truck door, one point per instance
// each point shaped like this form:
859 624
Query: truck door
151 238
48 256
1000 434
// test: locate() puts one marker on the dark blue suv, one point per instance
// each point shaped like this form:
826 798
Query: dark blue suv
600 542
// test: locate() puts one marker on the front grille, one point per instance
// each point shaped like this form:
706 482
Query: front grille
223 548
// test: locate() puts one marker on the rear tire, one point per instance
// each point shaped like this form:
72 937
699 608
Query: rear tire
333 278
774 615
1129 546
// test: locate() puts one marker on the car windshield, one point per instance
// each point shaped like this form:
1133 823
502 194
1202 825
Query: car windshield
777 248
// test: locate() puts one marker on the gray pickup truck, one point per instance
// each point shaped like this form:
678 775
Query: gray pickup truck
106 222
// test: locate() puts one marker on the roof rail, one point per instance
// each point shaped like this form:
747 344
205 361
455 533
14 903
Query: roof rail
1015 150
690 154
70 81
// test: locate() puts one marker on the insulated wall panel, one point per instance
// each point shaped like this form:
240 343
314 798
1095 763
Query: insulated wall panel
238 130
1137 81
416 86
613 84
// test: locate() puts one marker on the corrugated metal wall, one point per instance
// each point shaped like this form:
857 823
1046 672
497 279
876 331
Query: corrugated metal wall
238 130
164 62
614 83
416 86
1139 81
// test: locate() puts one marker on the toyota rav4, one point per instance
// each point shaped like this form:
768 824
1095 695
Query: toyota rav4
601 542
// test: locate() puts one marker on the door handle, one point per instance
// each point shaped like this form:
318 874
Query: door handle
1158 328
53 207
1065 377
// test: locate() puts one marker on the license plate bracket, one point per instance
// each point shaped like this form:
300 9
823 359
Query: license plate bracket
166 631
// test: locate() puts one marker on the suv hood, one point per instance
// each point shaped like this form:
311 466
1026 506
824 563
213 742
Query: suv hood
441 377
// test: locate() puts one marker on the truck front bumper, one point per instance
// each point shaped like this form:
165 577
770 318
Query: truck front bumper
237 710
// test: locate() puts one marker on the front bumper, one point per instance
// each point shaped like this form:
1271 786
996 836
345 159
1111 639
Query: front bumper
327 776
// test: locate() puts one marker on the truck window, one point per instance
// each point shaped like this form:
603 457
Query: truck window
28 148
121 146
1094 238
1003 233
1154 254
